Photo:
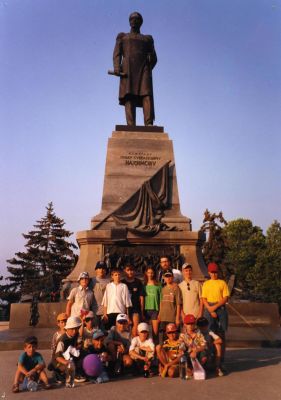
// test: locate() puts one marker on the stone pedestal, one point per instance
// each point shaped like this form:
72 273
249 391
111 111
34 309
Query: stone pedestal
134 157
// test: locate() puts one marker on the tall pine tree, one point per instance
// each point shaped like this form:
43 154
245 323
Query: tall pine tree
49 257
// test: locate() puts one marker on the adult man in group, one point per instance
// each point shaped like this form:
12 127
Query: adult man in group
165 265
191 290
134 57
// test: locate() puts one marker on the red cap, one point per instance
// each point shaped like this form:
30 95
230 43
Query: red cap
212 267
189 319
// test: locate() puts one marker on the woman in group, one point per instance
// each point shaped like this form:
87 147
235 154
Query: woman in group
152 300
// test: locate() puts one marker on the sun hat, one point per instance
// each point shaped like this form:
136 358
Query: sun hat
73 322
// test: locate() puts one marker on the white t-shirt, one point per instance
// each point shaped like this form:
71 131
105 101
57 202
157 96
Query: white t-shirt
116 298
137 345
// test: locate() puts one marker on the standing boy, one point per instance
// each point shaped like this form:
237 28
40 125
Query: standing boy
170 304
191 290
215 295
80 298
99 284
116 299
136 290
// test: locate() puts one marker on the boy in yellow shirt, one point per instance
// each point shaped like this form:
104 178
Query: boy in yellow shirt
215 295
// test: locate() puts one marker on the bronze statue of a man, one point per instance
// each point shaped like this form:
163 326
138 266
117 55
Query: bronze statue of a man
134 57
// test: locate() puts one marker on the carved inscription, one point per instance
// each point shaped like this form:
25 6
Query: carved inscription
136 159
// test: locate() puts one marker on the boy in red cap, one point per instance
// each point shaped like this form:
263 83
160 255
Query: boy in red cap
215 295
194 342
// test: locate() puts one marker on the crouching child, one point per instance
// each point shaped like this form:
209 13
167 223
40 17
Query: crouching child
99 348
170 353
67 353
214 346
30 368
142 349
194 342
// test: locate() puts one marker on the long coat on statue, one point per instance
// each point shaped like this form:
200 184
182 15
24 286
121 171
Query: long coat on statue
135 56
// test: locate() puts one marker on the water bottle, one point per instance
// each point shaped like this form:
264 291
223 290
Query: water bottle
70 374
118 364
183 367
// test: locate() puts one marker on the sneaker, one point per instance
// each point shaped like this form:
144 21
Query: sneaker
146 373
79 379
15 388
69 385
47 386
219 372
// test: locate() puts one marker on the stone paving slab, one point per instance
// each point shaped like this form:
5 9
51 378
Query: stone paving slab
253 374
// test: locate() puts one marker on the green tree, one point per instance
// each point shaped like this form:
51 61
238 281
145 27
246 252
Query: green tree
244 244
49 257
266 276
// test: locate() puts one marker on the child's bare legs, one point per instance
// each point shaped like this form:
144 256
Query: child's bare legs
19 377
218 348
155 329
163 358
127 361
43 377
173 371
136 321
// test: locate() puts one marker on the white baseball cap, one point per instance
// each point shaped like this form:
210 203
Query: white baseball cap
143 326
122 317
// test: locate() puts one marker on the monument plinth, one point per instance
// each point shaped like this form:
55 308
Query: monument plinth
140 213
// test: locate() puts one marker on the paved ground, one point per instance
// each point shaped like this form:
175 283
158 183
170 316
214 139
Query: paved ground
253 374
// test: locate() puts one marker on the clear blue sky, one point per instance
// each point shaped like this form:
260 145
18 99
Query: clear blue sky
217 91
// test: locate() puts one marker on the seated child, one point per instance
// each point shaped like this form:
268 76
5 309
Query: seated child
86 330
67 352
30 365
170 353
118 343
61 321
142 349
214 345
194 342
98 347
81 297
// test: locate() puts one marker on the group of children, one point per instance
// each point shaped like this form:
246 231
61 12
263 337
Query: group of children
131 325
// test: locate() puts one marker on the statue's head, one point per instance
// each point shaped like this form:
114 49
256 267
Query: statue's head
135 20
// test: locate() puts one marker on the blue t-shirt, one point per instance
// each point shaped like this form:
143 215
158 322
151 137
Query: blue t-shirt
30 362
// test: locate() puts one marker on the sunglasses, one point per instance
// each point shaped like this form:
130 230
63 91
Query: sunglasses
122 322
88 319
62 320
169 333
188 286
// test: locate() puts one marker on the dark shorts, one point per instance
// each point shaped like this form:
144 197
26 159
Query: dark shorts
133 311
151 315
